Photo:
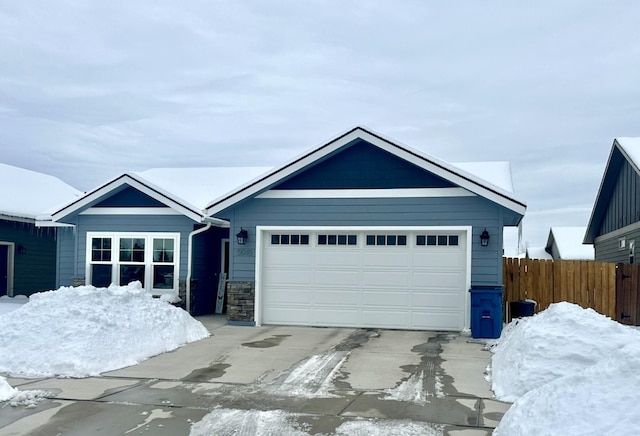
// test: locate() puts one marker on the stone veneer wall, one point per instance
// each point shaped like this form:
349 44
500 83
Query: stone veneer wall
241 297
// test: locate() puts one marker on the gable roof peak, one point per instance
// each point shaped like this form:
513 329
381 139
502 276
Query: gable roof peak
440 168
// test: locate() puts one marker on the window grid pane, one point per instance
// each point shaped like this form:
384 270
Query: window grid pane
163 250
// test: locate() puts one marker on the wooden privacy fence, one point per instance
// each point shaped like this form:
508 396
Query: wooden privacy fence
586 283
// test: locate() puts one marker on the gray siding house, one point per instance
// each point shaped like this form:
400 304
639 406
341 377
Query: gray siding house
614 226
28 252
366 232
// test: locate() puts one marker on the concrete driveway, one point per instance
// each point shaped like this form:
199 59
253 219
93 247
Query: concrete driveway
314 380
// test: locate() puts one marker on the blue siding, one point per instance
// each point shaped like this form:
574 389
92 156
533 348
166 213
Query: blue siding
129 197
360 165
477 212
66 265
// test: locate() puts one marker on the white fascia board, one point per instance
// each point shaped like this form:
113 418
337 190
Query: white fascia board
20 219
428 163
130 211
126 179
367 193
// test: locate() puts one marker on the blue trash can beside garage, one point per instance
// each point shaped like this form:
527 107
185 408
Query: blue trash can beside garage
486 311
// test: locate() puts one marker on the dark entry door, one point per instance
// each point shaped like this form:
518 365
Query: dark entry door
4 269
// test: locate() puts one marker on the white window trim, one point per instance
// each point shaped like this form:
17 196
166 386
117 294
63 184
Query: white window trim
148 255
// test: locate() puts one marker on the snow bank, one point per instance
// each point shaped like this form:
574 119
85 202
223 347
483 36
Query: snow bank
84 331
570 371
600 400
6 391
559 341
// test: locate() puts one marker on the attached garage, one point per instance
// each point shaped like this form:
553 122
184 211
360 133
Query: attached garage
363 231
391 277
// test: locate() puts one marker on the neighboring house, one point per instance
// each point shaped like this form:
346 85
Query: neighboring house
150 227
538 253
28 253
366 232
614 226
565 243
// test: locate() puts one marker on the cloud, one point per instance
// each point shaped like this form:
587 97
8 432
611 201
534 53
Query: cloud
90 90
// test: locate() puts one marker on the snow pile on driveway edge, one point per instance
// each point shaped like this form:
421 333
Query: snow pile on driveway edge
85 331
570 371
562 340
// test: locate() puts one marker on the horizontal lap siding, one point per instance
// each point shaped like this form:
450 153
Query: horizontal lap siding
606 250
66 264
450 211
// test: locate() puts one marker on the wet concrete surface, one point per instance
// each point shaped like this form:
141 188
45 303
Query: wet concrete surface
323 378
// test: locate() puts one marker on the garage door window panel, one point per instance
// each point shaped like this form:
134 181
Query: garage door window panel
337 239
289 239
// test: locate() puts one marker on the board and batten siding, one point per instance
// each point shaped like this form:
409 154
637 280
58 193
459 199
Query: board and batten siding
341 212
118 223
624 202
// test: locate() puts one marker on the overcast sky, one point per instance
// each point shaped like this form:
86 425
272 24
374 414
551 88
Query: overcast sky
92 89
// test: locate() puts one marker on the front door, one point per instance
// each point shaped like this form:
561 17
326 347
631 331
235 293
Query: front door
4 270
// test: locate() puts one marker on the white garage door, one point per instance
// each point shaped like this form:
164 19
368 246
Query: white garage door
407 279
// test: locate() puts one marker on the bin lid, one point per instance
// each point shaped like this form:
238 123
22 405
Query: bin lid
486 288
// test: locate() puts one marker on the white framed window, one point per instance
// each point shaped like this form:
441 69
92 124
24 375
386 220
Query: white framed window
622 243
120 258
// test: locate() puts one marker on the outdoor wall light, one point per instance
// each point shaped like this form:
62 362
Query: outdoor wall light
484 238
242 236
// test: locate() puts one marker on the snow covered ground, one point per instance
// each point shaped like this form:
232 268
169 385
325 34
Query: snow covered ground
85 331
568 371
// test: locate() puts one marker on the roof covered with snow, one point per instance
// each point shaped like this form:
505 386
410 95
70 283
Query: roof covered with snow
538 253
496 173
199 186
26 194
568 243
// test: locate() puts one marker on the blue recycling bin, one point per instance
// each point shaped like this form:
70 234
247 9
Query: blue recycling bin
486 311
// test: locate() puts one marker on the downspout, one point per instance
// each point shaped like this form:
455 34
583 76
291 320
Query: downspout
189 260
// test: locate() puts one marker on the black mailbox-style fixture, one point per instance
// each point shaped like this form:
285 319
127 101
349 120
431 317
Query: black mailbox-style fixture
242 236
484 238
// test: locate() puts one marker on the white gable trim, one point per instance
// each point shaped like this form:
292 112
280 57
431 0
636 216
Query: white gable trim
138 183
428 163
366 193
130 211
